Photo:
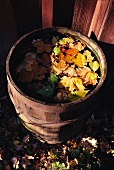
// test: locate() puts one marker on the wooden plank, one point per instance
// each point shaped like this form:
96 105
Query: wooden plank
47 13
83 14
107 34
99 17
63 13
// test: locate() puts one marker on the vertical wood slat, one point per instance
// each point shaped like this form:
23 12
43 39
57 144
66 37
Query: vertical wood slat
83 13
107 34
99 17
47 13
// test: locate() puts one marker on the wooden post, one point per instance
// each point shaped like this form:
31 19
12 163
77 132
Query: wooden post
47 13
99 17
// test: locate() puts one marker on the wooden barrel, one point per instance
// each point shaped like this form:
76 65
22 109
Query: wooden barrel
49 122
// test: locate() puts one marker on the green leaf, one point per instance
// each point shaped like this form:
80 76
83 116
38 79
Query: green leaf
16 142
94 65
73 97
78 95
55 164
46 91
53 79
81 93
56 50
62 165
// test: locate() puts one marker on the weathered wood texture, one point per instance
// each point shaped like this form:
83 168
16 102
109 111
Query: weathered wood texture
99 17
83 13
47 13
107 34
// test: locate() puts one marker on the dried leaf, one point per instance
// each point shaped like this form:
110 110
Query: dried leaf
41 70
25 162
88 56
66 40
28 67
91 78
61 56
73 164
47 48
26 139
38 43
75 69
1 151
79 84
70 71
31 55
15 161
42 47
29 156
59 67
46 59
64 82
68 58
78 45
72 51
80 60
82 71
28 76
92 141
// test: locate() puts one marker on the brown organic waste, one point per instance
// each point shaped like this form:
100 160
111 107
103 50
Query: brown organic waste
63 68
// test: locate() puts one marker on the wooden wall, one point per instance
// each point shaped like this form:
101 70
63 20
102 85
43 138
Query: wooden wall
18 17
107 32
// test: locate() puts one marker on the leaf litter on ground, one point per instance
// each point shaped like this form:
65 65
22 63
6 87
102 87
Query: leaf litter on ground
92 148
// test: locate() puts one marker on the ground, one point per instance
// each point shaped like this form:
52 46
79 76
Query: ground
92 148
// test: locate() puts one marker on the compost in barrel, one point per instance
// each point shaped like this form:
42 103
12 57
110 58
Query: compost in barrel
54 104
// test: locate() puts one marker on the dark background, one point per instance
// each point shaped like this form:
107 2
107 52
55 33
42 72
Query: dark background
18 17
